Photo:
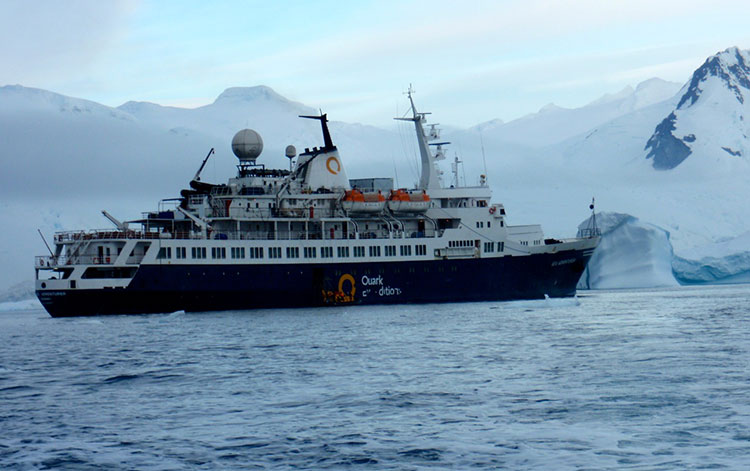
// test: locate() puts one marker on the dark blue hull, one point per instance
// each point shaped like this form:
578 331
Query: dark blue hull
169 288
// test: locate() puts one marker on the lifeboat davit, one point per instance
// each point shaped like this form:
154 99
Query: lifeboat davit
404 201
355 201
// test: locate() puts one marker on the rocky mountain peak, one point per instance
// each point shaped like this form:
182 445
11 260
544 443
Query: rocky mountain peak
731 67
710 115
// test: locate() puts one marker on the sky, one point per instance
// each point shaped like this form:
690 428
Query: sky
480 60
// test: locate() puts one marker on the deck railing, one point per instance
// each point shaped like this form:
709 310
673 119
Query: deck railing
76 236
51 261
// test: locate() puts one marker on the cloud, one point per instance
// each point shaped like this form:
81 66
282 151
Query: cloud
353 58
44 39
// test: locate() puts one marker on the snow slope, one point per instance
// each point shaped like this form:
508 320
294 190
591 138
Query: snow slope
553 124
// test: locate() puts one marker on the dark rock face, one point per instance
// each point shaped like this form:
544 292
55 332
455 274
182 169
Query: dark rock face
735 153
667 150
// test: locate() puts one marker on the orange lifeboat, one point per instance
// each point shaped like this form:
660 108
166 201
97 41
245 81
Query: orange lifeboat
405 201
355 201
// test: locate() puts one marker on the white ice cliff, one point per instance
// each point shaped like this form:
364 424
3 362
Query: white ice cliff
631 254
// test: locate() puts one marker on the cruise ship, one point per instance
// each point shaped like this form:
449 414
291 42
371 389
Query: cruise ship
309 236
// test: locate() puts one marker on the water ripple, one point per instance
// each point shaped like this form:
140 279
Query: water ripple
612 380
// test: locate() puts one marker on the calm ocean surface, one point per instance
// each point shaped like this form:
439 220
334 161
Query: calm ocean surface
654 379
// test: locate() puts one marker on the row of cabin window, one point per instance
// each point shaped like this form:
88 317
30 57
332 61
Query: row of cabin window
536 242
291 252
480 224
489 247
216 252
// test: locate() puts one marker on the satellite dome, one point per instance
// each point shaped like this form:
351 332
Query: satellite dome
247 145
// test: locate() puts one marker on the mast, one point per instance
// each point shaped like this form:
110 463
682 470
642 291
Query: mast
429 177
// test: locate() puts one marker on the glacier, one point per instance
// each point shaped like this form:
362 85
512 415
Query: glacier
726 261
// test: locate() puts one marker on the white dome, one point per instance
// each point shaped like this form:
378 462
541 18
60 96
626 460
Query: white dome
247 145
291 151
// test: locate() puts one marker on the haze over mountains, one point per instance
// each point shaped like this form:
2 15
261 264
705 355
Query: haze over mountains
673 155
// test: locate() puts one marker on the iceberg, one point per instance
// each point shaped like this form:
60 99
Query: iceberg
727 261
631 254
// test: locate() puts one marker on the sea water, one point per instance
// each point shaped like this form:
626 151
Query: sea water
655 379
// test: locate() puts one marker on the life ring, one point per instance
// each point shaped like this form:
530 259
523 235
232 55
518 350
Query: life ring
493 209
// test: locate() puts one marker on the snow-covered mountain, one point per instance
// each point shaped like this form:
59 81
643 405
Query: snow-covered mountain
259 108
56 146
65 159
710 121
553 124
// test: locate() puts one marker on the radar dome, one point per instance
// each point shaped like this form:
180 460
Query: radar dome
247 145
